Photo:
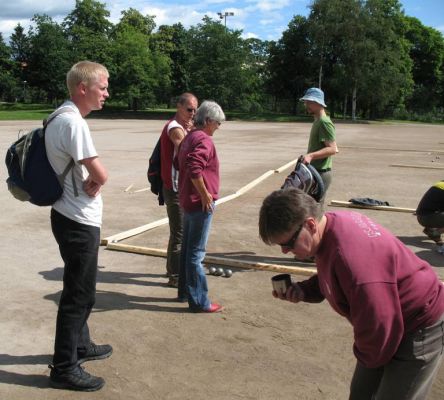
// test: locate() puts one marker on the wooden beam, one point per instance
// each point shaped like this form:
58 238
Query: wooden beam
417 166
391 149
218 260
381 208
286 166
255 182
133 232
136 231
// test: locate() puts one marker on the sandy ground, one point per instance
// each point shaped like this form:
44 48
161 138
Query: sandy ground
259 347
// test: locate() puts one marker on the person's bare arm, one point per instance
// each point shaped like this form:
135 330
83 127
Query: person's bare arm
330 149
176 136
97 176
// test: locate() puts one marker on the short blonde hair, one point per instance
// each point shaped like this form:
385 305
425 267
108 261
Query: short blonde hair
84 71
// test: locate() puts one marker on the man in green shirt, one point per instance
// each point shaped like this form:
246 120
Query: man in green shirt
322 143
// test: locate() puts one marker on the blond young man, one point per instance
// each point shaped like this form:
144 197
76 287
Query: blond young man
76 220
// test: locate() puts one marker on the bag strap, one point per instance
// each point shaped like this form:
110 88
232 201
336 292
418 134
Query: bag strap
57 112
70 166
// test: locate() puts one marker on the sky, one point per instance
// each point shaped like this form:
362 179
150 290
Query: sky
263 19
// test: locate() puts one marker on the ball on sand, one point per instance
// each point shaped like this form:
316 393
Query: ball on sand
212 270
219 272
228 273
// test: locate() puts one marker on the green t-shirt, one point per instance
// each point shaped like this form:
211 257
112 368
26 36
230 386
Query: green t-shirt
322 131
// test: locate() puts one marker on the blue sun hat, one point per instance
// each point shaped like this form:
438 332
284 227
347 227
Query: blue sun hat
314 94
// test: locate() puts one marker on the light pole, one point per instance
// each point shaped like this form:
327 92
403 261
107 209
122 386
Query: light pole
24 90
224 15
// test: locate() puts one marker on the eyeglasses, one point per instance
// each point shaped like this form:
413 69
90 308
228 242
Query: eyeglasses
292 241
191 109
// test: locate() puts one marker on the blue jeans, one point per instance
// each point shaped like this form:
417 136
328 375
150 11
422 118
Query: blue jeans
192 279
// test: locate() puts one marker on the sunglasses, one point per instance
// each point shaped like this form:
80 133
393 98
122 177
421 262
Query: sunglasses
292 241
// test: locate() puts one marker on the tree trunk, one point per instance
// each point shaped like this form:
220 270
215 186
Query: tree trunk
354 103
344 115
320 76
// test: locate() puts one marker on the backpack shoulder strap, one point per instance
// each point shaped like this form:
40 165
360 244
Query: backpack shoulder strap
57 112
70 166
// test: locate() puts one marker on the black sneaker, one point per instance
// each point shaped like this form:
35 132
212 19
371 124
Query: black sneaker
94 352
75 379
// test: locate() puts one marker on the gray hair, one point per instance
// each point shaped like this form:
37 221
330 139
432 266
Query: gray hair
285 209
208 111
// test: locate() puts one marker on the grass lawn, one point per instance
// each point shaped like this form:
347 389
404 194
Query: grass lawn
18 111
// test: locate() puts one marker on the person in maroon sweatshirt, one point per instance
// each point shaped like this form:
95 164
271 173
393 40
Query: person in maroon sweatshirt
198 190
393 299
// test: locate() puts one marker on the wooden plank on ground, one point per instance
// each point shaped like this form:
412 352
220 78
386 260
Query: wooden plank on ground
349 204
218 260
417 166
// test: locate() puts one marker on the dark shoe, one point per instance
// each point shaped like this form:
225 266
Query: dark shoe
173 282
181 299
94 352
433 233
74 379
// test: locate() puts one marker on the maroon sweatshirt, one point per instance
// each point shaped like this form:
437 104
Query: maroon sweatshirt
197 158
376 282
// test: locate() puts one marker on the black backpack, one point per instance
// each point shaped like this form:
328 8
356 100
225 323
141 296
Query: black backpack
31 177
154 174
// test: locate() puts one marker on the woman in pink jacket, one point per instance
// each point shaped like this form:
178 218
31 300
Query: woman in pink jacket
198 190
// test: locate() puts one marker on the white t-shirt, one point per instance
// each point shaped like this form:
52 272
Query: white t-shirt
174 171
68 137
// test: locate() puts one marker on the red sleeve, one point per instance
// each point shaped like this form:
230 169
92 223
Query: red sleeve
197 159
312 293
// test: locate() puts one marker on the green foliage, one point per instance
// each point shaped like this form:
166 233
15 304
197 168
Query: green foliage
87 29
218 64
370 59
48 59
8 84
426 50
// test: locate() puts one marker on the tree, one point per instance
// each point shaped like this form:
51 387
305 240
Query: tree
171 41
19 44
361 52
138 74
88 28
49 59
218 65
426 50
140 23
291 65
7 80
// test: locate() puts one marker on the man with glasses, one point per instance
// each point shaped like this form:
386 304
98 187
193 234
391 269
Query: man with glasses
392 298
172 135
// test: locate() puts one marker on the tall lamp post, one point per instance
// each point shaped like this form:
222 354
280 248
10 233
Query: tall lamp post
224 15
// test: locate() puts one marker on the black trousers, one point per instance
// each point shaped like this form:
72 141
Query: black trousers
79 247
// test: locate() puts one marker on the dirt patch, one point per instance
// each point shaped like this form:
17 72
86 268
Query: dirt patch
259 347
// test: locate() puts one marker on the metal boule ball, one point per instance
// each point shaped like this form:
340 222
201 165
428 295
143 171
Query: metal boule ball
212 270
228 273
219 272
